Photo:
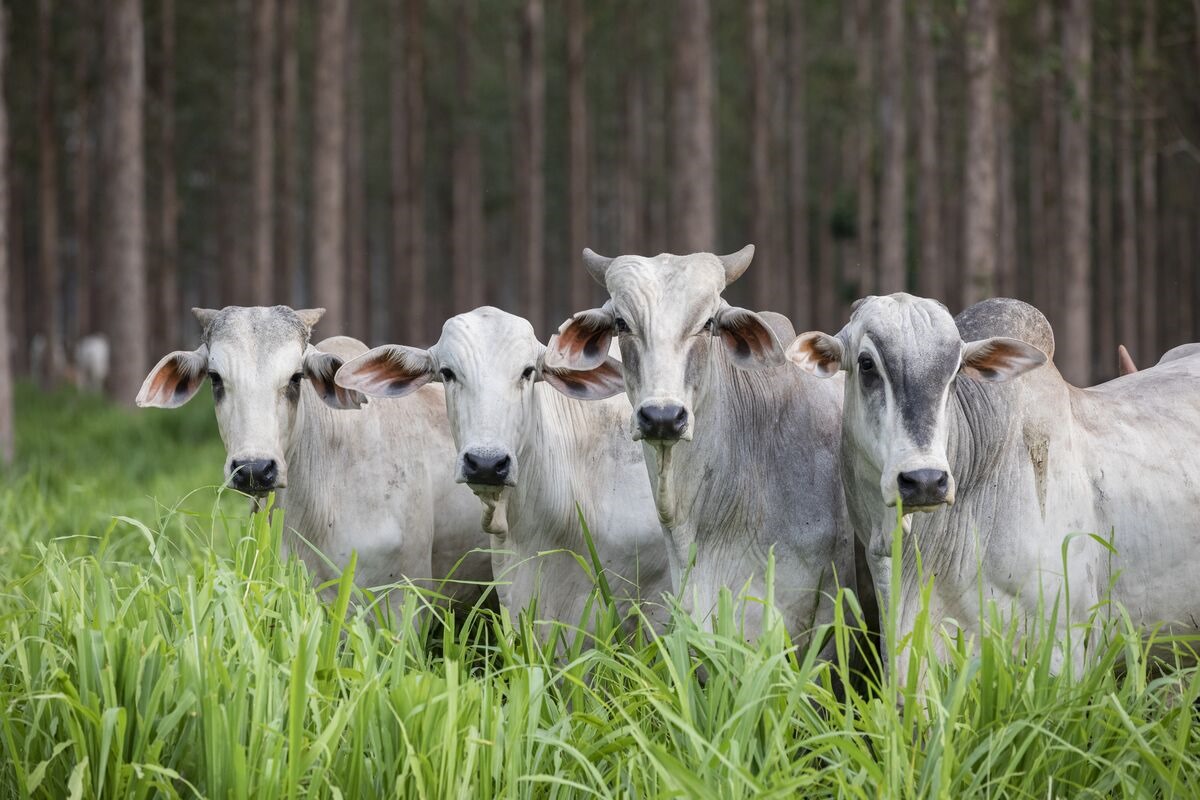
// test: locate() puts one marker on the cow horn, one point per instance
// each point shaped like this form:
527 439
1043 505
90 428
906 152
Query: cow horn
597 265
735 263
205 316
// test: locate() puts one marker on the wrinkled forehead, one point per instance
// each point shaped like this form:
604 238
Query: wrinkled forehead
685 286
255 338
905 325
487 339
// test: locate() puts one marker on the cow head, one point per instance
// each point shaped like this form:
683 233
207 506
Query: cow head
256 359
668 316
488 361
902 355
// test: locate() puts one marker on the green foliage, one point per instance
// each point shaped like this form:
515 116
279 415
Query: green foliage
177 656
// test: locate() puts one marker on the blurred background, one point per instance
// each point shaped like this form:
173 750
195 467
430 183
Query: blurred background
400 161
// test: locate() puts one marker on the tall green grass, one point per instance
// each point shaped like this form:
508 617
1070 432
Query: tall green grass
173 653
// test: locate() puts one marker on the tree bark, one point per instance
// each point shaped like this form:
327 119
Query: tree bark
49 320
399 191
1104 272
1074 347
631 162
578 178
1148 337
358 278
84 264
466 257
803 296
1129 286
763 224
860 274
414 108
1044 171
530 164
892 220
166 305
329 166
692 132
6 343
1006 220
262 154
979 224
122 212
289 245
931 274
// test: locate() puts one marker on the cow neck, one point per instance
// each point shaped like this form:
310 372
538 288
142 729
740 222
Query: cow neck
302 499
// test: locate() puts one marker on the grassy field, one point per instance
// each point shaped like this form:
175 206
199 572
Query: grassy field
152 643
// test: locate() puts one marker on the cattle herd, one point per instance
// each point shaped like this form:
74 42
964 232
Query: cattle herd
697 440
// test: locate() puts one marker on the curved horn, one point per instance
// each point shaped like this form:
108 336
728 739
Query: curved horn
205 316
597 265
735 263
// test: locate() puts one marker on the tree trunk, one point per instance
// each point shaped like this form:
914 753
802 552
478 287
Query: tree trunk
413 262
578 179
931 280
860 274
1148 338
122 212
399 190
631 159
1105 272
262 154
1129 286
827 313
288 248
762 193
892 219
1074 348
979 223
234 260
49 321
530 162
329 166
804 299
466 256
85 267
358 278
1044 172
6 342
692 132
166 310
1006 241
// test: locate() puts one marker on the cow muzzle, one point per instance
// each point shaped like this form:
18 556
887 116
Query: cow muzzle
487 467
925 489
256 476
662 421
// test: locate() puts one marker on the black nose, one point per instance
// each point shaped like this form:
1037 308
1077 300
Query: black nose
923 487
662 422
254 475
489 469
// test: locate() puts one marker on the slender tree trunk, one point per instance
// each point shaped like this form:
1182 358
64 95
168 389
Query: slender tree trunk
50 289
931 280
1129 286
329 167
289 245
236 239
578 178
466 256
414 109
827 313
692 132
358 278
262 154
122 213
6 338
1148 338
84 264
860 274
399 190
892 219
531 154
631 161
1044 172
1075 345
1006 242
979 224
1105 273
804 298
762 192
166 305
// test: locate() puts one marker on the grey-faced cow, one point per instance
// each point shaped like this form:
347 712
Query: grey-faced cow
531 449
717 409
376 480
1005 468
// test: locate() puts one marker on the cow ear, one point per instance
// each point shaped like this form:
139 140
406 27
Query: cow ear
320 369
175 379
596 383
749 340
388 371
816 352
582 342
999 358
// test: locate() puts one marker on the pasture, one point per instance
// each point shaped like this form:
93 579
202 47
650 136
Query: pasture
154 644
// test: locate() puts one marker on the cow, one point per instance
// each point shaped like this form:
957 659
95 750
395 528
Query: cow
998 464
1126 365
531 449
375 480
718 411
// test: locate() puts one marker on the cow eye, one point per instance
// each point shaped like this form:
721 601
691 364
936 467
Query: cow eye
215 378
621 326
866 363
711 325
295 379
447 374
527 374
218 385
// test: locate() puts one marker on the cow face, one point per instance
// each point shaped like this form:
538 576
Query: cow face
902 355
488 361
256 360
668 316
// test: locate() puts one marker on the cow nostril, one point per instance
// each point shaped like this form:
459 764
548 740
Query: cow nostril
469 463
923 487
662 422
502 466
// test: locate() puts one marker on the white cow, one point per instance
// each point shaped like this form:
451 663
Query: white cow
531 450
718 409
377 481
1006 468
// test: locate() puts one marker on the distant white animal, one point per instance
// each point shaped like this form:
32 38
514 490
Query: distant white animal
531 450
1001 469
378 481
91 362
741 448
